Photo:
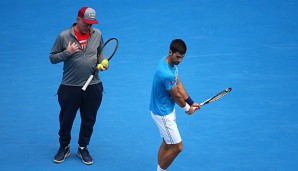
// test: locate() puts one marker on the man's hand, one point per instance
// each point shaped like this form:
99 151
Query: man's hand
193 108
72 47
196 106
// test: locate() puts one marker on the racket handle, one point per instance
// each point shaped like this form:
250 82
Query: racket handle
87 82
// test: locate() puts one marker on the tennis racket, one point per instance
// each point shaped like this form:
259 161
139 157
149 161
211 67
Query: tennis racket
217 96
109 49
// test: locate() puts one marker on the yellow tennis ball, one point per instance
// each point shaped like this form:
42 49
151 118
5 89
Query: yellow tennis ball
99 66
105 62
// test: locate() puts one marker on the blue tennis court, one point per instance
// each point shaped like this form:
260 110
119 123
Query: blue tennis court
251 46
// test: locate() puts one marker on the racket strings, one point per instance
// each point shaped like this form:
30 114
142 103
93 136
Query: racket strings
218 96
109 49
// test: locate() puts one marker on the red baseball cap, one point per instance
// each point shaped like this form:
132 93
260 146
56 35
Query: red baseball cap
88 15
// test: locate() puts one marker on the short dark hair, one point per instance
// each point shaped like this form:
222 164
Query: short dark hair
178 45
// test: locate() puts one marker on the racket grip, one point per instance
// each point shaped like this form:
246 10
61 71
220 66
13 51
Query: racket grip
87 83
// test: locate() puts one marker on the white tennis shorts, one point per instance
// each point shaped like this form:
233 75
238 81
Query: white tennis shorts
167 127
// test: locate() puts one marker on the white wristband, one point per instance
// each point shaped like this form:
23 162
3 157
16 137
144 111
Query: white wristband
186 107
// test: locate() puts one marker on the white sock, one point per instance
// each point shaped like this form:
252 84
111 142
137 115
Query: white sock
159 169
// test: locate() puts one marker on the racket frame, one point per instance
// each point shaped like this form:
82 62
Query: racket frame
216 97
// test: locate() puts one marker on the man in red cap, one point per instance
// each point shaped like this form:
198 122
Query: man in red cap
77 48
